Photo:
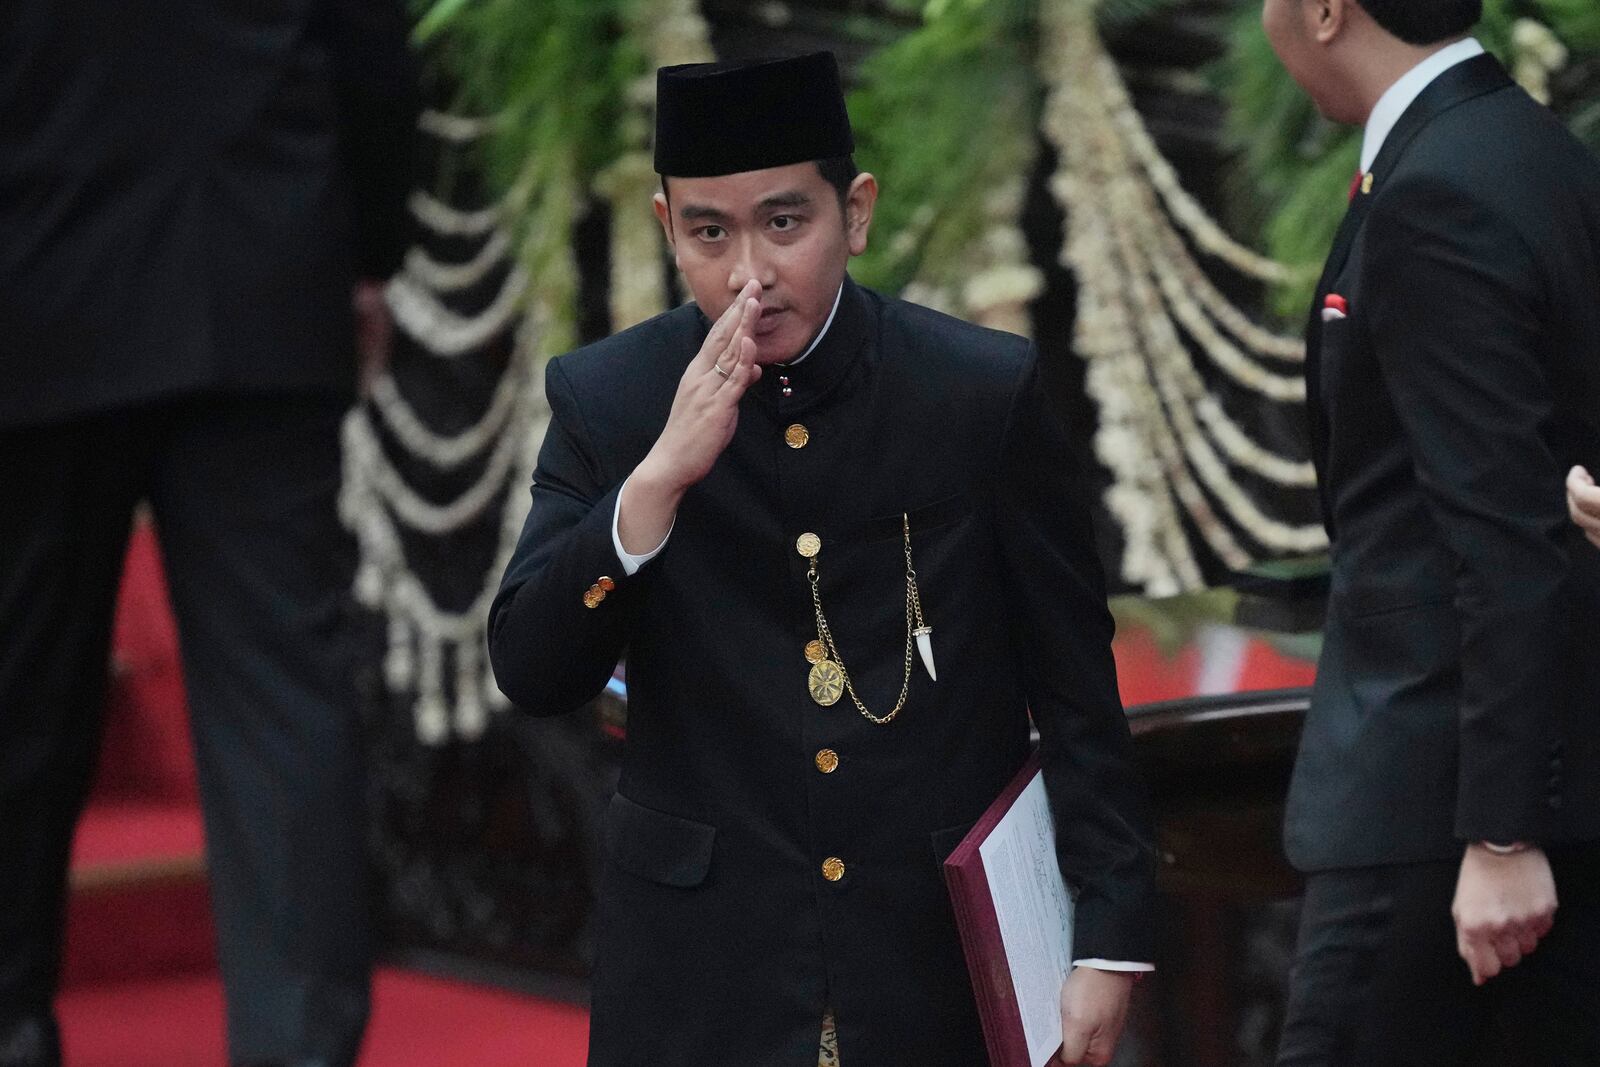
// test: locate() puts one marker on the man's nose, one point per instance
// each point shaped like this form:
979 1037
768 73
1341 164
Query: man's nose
750 263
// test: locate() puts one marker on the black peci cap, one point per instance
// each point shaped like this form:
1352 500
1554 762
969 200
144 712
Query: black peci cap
726 118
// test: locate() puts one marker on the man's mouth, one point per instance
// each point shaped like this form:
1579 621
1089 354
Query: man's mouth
770 320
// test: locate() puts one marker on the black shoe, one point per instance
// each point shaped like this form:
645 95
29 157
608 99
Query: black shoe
30 1042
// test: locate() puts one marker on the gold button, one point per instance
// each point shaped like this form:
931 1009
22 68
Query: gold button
592 598
808 545
815 653
833 868
796 436
827 761
606 585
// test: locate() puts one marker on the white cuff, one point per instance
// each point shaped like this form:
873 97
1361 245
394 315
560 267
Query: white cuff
1114 965
630 562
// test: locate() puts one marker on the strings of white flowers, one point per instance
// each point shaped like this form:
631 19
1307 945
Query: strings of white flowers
438 655
423 315
1184 209
454 129
1099 78
1536 53
1001 283
447 221
454 277
1144 308
425 641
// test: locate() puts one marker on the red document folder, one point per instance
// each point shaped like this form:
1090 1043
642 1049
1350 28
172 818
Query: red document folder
980 931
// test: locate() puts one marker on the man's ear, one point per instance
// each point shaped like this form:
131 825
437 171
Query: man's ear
664 216
858 204
1328 19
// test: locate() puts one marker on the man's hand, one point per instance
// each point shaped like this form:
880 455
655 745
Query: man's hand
1094 1005
374 330
1503 906
704 415
1583 501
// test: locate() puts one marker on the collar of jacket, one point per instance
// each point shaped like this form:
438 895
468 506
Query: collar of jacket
1468 79
1464 81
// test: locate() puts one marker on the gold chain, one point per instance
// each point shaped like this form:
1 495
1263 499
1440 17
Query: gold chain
913 621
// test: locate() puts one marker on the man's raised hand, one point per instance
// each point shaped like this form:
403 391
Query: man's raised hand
704 414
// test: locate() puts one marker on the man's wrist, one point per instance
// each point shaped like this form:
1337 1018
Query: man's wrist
655 477
646 512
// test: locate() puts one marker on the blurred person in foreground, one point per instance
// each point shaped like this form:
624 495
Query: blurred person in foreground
189 194
1446 800
843 542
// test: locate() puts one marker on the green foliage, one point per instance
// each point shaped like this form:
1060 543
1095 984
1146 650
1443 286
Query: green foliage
553 74
1576 22
1295 167
552 71
943 115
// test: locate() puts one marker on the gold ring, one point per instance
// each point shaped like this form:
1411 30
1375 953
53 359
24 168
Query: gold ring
726 376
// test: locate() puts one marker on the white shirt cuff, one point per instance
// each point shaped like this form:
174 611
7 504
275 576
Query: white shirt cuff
1114 965
630 562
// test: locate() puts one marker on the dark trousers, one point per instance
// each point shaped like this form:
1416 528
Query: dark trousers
1377 980
244 493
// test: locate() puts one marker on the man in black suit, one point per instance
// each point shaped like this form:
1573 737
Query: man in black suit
772 498
1450 765
188 195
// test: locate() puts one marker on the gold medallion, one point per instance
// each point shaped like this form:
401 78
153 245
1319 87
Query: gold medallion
827 683
815 653
808 545
796 436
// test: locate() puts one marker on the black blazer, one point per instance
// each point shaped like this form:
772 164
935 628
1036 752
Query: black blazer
1457 698
188 191
719 937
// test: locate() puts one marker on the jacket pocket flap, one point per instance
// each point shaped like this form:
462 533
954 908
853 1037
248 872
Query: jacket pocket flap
652 844
886 527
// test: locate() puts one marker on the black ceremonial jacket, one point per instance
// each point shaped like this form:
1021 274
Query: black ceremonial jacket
1458 694
720 939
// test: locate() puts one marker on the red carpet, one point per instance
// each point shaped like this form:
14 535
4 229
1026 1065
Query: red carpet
417 1021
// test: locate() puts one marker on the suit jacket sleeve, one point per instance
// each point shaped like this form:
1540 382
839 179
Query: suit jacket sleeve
376 75
1454 312
1063 631
550 652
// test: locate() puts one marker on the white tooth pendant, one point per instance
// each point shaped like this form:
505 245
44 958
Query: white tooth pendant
924 636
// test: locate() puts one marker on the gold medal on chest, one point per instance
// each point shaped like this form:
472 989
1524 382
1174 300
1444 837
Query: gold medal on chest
826 682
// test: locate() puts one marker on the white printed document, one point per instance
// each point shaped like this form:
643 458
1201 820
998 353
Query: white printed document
1034 911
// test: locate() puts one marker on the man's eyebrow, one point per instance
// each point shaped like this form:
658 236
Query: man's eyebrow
700 212
792 198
